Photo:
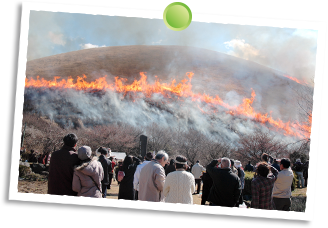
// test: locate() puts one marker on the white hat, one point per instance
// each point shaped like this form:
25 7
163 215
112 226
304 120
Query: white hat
84 152
237 164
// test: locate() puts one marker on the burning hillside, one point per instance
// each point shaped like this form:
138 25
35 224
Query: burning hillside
146 103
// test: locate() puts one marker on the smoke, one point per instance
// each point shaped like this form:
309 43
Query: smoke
107 107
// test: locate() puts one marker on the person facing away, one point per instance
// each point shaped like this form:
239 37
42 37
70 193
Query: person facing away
207 184
111 170
249 167
152 178
170 167
107 167
129 166
298 167
61 168
180 184
197 170
282 186
262 186
148 157
276 165
88 175
226 187
241 175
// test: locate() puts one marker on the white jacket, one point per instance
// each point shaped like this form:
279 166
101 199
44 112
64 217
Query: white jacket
137 175
179 187
196 170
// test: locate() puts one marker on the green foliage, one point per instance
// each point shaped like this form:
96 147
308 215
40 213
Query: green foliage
298 203
248 180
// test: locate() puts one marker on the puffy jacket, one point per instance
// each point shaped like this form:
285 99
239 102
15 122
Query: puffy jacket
82 182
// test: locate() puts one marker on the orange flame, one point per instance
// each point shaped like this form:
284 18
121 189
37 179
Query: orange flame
295 80
182 89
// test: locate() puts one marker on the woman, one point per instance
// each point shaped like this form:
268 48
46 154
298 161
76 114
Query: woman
88 175
129 166
180 184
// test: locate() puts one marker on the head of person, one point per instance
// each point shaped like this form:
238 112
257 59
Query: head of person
298 160
263 169
162 157
172 161
84 153
70 140
232 163
249 162
103 151
238 164
265 157
128 160
225 163
197 161
284 163
181 162
149 156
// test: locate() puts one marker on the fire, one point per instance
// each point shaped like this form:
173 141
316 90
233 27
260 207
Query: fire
181 89
295 80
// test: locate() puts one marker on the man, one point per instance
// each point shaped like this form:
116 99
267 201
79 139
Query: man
276 165
226 187
249 167
298 167
107 166
282 187
152 178
61 168
262 186
197 170
148 157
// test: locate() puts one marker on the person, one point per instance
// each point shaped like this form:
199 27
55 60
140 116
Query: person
298 167
207 184
107 166
197 170
281 192
306 172
241 175
266 158
180 184
61 168
88 175
276 165
226 186
152 178
249 167
148 157
129 166
262 186
233 168
170 167
111 171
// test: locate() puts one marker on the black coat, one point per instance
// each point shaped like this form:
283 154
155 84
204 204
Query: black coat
126 190
107 167
226 187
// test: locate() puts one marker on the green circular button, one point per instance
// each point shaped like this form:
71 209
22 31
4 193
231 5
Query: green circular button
177 16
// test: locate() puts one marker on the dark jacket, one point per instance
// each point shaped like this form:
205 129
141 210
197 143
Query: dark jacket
61 170
126 190
107 167
226 187
207 184
169 168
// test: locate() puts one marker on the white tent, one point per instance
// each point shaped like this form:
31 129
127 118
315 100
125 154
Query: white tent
118 155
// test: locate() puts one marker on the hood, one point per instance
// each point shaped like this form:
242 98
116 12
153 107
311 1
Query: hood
88 167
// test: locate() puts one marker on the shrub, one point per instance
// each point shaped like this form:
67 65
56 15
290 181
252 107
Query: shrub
24 170
298 203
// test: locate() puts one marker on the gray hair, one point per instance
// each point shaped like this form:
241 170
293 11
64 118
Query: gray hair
225 163
161 154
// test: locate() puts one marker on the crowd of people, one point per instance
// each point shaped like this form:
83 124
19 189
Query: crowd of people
78 172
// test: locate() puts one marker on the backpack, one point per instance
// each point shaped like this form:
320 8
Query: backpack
120 176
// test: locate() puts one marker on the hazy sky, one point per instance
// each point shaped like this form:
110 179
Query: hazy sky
291 51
